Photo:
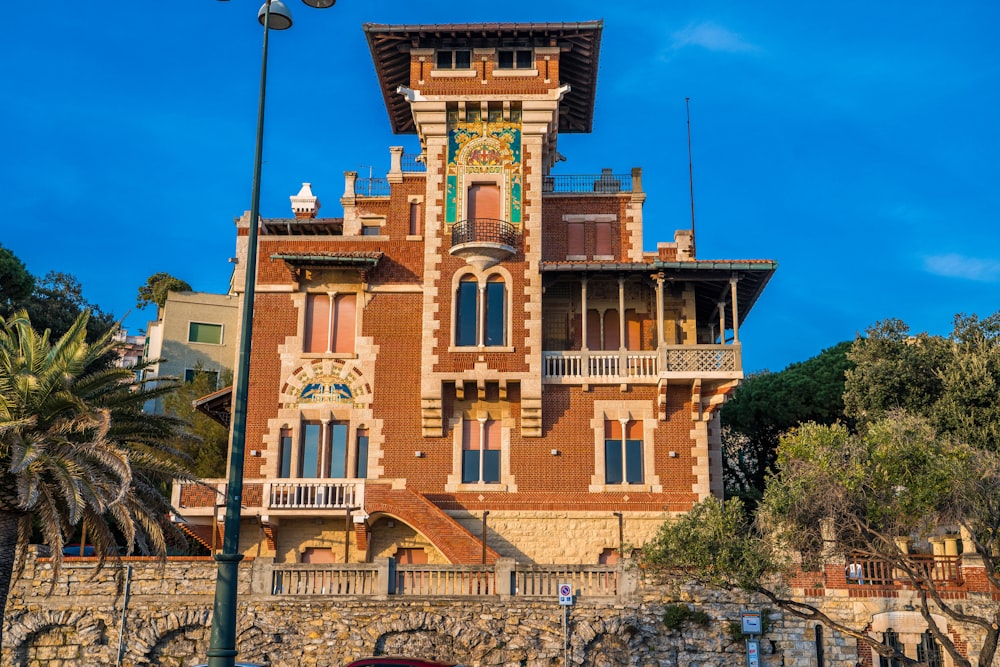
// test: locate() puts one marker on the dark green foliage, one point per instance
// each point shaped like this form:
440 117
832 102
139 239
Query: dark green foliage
767 405
954 382
157 286
76 450
57 302
209 444
16 284
893 370
675 616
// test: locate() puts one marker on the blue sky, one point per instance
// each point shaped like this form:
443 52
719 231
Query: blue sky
855 143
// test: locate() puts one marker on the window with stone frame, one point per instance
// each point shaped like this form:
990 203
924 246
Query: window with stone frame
515 59
891 638
330 323
623 452
481 451
453 59
481 312
928 651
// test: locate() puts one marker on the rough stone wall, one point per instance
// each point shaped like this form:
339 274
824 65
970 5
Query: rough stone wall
168 617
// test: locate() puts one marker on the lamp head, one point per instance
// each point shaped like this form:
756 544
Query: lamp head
280 15
320 4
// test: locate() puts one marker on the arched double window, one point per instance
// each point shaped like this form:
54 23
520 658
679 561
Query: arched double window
481 312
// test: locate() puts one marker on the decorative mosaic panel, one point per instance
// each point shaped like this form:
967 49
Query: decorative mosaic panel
326 381
484 147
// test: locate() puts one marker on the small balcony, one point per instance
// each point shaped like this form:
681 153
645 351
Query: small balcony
277 496
483 242
642 367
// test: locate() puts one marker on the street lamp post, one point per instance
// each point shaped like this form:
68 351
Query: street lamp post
222 648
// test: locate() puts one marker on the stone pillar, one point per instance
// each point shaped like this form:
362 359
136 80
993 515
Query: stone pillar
261 576
395 174
628 578
385 577
504 572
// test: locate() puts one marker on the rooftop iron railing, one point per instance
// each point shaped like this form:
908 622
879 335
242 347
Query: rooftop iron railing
371 187
604 183
413 162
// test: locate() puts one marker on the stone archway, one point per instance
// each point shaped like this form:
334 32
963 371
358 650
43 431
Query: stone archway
429 635
54 628
606 642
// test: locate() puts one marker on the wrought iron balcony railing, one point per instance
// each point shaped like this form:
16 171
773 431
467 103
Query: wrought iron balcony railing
483 230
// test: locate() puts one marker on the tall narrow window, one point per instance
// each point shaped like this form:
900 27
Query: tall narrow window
890 638
466 305
928 651
470 451
416 218
345 306
480 451
575 239
361 463
602 238
330 329
633 330
495 314
491 452
612 335
285 445
338 450
622 457
317 327
309 460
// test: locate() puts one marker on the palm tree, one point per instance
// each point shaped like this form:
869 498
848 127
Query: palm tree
77 450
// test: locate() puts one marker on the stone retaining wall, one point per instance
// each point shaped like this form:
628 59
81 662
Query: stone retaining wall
168 608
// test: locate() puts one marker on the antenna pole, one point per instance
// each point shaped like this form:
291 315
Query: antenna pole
687 105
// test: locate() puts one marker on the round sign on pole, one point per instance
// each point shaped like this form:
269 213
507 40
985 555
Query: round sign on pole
565 594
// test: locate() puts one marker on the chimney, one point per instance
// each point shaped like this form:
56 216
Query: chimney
305 204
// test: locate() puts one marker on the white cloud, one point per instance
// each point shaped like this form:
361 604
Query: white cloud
954 265
712 37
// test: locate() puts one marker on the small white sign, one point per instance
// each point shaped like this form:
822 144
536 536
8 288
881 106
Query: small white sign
565 594
751 622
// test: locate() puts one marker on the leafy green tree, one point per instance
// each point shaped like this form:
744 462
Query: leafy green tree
893 370
207 449
837 493
767 404
57 303
157 286
954 382
76 450
16 284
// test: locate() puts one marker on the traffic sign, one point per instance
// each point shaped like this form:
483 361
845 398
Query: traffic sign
565 594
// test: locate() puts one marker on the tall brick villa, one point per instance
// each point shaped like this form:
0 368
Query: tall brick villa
479 346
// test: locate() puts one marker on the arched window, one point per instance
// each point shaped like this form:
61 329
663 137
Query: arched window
481 312
495 315
466 307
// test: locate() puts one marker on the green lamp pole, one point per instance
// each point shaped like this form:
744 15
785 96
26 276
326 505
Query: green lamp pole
222 648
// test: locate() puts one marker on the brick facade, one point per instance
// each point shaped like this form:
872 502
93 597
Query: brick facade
492 358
